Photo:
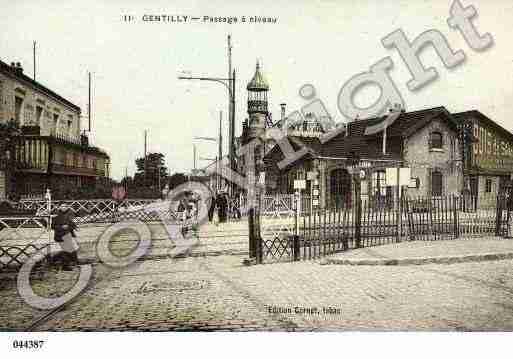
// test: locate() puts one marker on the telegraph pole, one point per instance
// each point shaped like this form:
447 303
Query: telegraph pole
34 53
89 103
220 155
145 153
194 156
230 103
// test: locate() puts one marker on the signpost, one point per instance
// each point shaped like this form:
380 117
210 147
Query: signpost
118 193
312 177
299 185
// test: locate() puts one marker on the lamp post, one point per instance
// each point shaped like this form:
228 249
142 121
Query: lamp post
217 159
229 83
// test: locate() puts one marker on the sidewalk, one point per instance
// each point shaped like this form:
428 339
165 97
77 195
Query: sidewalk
427 252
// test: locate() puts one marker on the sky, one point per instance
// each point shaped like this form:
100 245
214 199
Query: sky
324 43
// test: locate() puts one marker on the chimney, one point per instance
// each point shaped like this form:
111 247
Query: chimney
17 67
84 140
283 105
282 119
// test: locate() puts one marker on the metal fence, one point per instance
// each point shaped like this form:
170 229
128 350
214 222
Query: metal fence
308 234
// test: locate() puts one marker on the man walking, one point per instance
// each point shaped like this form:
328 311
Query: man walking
211 209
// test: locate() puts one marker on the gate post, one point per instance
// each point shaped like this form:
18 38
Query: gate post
455 215
258 237
48 197
295 247
251 223
498 216
358 222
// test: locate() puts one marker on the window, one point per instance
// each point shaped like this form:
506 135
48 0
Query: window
379 183
18 101
488 185
435 140
436 183
39 113
55 123
70 122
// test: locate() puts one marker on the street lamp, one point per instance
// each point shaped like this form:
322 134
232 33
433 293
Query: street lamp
216 160
229 83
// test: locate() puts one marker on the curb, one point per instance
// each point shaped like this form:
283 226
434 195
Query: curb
94 260
419 261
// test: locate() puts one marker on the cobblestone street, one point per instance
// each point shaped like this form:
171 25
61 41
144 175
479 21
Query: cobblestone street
219 293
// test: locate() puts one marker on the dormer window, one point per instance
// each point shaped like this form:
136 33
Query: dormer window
436 141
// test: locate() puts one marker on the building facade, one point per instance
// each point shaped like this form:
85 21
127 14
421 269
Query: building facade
447 154
51 152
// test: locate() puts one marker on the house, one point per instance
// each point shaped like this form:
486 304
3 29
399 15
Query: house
52 152
446 153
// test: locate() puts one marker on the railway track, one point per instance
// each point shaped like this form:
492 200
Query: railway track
50 314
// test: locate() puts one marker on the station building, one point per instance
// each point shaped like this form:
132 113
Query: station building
447 153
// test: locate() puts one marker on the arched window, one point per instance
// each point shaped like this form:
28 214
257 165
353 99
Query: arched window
436 183
435 140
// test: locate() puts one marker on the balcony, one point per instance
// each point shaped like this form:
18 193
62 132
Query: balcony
78 171
81 143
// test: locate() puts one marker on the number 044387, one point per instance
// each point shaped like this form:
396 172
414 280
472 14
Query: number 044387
28 344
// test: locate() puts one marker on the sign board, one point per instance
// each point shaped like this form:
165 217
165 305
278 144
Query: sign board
118 193
315 202
311 175
261 178
299 184
413 183
404 176
391 176
315 192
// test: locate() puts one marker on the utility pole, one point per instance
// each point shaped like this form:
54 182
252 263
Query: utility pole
126 179
194 156
158 173
89 103
232 125
230 103
220 155
145 154
34 53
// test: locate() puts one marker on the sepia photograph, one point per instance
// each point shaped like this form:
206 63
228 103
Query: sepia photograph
271 168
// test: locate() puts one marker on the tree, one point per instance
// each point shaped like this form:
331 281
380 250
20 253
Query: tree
176 179
152 172
10 133
10 136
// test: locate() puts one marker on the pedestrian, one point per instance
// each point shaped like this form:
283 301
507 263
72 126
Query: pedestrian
235 208
219 203
211 209
64 233
181 210
224 207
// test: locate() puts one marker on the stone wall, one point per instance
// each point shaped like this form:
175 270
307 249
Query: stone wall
423 160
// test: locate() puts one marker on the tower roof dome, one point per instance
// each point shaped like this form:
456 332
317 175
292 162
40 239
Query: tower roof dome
258 82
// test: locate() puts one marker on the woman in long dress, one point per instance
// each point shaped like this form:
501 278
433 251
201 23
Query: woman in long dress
64 233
